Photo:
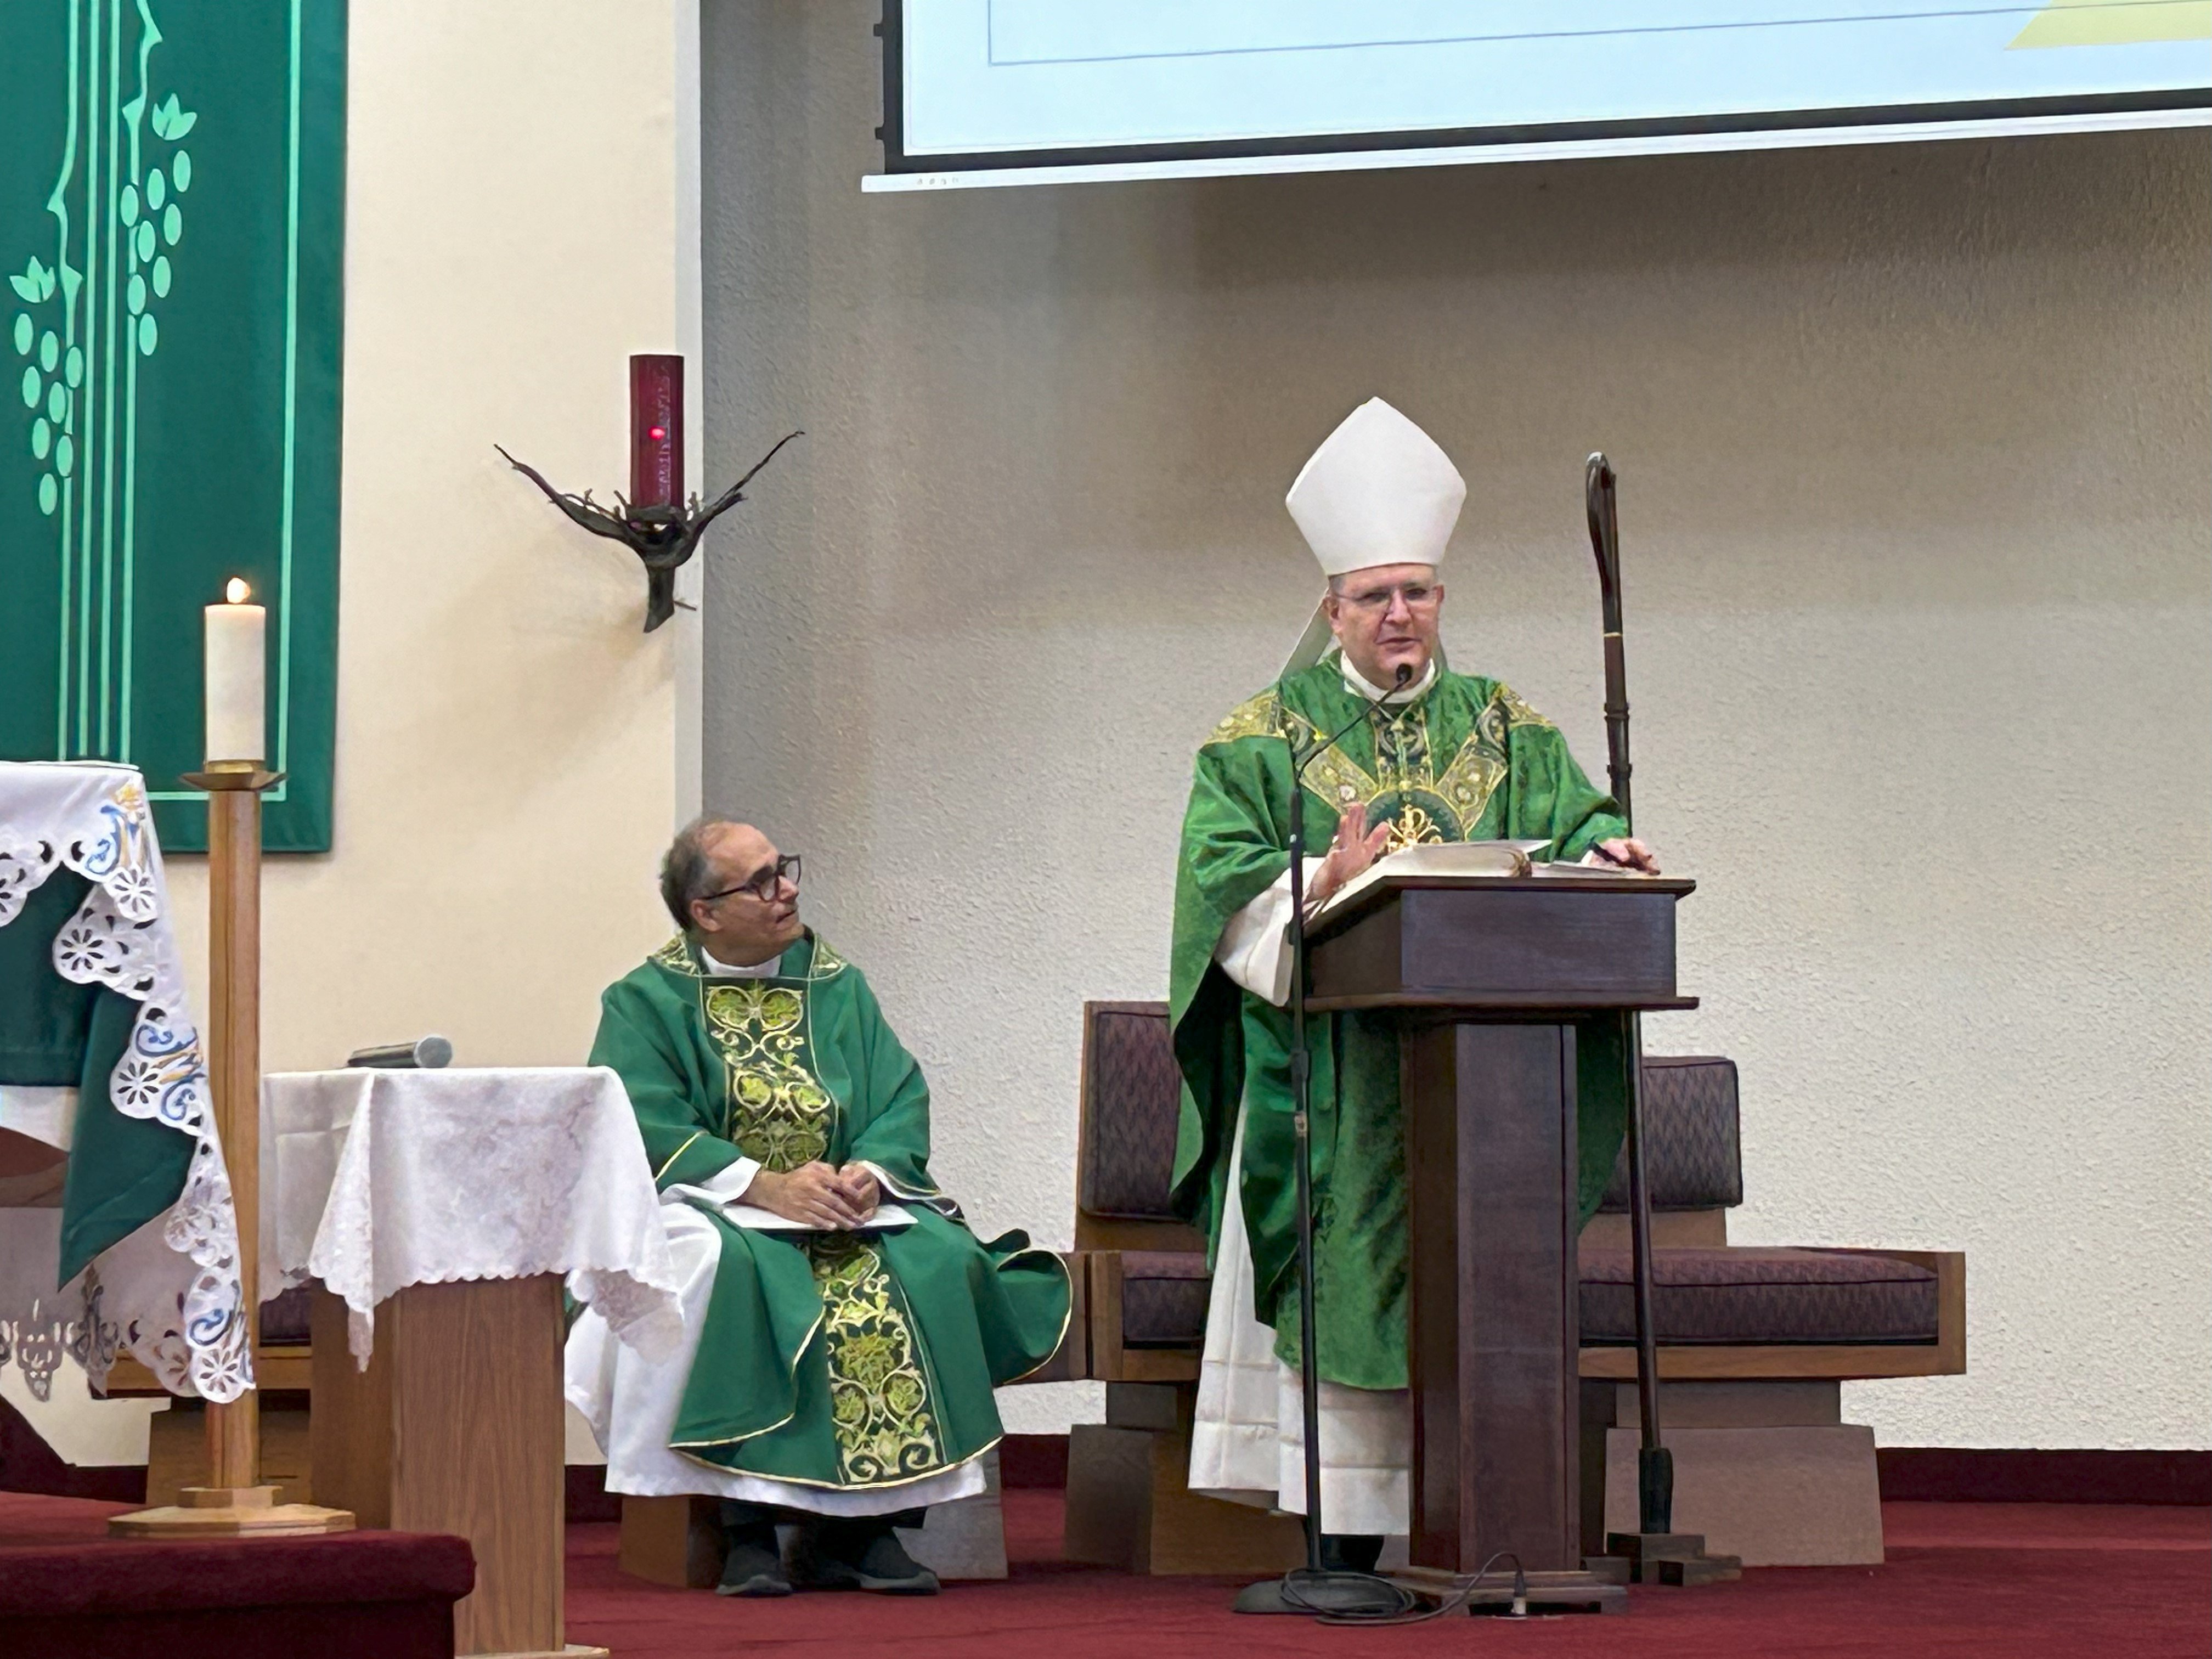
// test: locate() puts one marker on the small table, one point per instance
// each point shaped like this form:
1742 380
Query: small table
442 1212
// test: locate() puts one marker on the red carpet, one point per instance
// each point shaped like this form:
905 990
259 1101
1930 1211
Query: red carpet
68 1591
1963 1581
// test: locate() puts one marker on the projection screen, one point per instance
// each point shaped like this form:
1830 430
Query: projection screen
980 92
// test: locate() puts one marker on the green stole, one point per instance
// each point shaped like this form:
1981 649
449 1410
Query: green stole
833 1360
1467 760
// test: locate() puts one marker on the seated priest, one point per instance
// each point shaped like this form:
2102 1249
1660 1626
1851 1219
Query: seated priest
1426 755
843 1328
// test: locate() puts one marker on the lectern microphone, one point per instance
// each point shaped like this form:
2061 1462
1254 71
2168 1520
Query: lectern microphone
427 1053
1313 1588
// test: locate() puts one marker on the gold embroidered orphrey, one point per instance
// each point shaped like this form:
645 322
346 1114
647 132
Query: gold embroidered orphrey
779 1113
775 1109
1422 803
879 1394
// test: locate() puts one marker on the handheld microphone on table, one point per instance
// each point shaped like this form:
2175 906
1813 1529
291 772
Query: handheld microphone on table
1314 1588
428 1053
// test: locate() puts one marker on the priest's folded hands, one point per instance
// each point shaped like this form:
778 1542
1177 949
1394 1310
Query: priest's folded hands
843 1328
836 1200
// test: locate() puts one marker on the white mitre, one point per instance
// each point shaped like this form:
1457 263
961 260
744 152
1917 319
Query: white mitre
1379 490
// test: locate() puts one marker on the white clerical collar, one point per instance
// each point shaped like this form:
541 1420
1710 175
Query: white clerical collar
717 969
1359 685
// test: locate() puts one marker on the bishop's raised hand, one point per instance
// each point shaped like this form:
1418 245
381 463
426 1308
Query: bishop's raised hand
1354 847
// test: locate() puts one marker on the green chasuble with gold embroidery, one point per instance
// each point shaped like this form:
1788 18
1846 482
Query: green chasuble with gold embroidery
834 1360
1467 760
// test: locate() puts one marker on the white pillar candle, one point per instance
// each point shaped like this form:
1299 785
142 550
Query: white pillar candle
236 633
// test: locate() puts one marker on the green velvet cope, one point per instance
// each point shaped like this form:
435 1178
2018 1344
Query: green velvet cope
832 1360
1465 761
54 1033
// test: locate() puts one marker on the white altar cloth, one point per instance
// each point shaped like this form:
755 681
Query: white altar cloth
373 1180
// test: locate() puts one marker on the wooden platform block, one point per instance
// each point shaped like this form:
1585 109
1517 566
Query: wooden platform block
1129 1505
965 1538
1783 1495
669 1541
456 1427
228 1512
177 1452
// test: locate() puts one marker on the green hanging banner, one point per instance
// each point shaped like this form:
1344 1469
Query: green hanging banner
171 243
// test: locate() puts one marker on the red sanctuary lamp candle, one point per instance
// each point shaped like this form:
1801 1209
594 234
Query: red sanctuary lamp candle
656 430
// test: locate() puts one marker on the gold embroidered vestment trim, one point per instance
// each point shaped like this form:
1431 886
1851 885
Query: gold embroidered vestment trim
878 1391
775 1110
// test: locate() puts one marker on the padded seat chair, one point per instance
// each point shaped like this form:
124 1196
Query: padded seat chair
1754 1340
1148 1280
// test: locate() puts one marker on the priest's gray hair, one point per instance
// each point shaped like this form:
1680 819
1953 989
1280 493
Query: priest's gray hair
687 872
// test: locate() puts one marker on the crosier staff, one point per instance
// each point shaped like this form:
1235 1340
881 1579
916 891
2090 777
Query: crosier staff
1655 1464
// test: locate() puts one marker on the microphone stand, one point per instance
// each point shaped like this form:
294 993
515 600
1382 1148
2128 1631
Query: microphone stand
1655 1552
1314 1588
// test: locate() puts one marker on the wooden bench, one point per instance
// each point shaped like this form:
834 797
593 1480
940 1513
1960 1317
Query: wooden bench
1754 1342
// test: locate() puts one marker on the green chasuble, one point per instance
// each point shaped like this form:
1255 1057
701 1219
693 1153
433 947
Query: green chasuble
1467 760
834 1360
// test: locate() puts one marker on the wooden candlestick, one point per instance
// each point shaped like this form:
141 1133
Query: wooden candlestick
233 1503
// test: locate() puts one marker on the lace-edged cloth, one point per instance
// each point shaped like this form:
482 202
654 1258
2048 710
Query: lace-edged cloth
169 1293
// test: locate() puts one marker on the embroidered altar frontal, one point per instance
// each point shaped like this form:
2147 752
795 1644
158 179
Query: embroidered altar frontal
171 223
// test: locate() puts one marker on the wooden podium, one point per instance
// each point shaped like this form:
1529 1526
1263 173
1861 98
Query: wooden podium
456 1426
1485 979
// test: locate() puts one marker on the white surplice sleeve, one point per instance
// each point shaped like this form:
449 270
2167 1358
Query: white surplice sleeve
732 1181
1255 946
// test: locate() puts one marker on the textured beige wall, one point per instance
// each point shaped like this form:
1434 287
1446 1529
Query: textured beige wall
506 753
1913 445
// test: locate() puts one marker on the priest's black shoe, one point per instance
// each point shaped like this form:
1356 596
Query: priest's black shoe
867 1555
752 1564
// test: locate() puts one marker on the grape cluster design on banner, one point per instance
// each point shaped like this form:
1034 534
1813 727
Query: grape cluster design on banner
72 333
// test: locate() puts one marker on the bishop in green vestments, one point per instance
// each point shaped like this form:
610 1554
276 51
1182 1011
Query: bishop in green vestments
1427 755
844 1328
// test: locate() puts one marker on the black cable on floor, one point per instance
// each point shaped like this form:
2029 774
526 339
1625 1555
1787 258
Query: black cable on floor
1452 1603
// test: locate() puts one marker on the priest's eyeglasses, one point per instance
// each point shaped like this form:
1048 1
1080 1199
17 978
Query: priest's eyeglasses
763 885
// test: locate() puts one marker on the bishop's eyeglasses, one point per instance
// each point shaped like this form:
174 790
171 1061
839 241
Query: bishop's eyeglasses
763 885
1418 596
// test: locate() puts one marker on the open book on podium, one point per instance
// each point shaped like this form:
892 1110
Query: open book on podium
1448 861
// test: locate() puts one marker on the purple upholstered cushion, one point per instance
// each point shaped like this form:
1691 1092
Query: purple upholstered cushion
1691 1150
284 1318
1135 1098
1163 1295
1758 1297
